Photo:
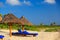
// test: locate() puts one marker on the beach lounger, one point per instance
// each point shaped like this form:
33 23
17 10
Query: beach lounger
24 33
1 37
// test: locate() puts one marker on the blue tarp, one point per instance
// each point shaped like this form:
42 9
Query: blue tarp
25 32
1 36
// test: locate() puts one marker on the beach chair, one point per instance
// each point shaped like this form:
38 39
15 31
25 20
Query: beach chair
24 33
1 37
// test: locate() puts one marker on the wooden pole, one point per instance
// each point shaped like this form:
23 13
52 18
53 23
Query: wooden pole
2 39
22 27
10 29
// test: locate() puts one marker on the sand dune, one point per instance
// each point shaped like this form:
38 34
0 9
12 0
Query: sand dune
41 36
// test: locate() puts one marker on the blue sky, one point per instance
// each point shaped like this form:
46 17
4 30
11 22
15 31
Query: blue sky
36 11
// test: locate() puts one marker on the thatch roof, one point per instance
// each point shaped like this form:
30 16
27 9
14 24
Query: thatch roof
25 21
1 22
10 18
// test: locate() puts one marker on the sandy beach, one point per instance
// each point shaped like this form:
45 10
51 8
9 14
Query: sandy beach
40 36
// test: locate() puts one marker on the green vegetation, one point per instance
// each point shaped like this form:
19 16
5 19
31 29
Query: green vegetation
0 14
33 28
51 30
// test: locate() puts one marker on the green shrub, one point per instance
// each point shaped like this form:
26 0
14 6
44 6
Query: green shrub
51 30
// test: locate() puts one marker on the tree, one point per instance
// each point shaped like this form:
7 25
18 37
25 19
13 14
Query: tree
41 24
53 23
1 15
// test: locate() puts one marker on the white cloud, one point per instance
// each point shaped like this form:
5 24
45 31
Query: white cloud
27 2
50 1
17 2
13 2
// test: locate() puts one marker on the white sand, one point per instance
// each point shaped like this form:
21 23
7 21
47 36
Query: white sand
41 36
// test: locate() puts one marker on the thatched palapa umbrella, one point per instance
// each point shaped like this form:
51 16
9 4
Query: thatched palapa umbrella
0 17
11 19
25 21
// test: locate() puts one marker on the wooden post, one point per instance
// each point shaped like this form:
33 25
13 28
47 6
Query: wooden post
22 27
2 39
10 29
